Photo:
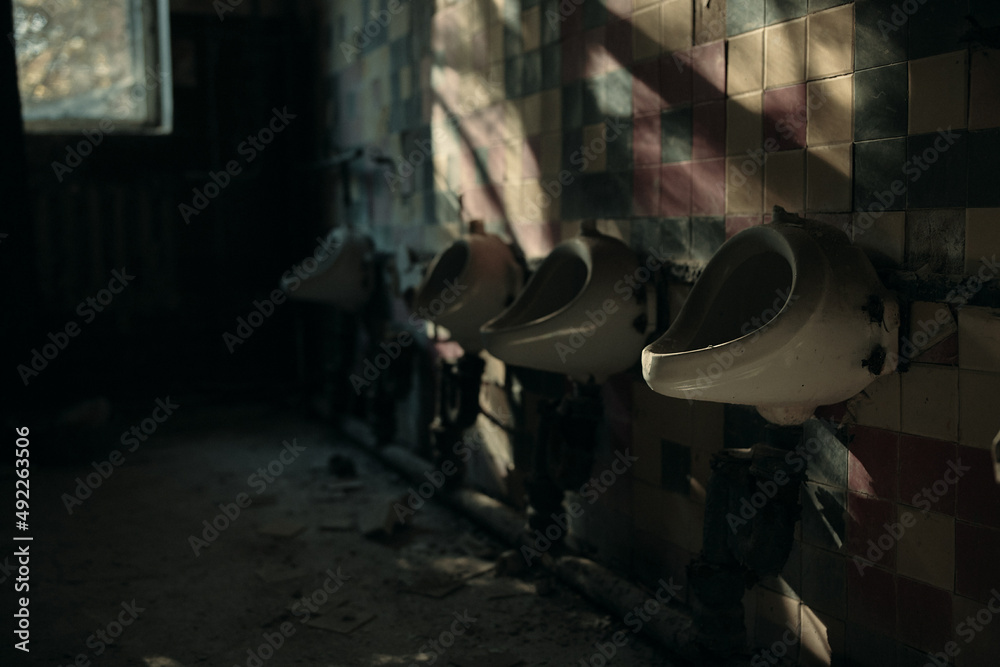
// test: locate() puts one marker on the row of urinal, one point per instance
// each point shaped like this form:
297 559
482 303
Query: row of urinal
785 317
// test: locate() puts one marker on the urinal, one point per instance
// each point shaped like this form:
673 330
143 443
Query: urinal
786 317
340 274
467 284
581 314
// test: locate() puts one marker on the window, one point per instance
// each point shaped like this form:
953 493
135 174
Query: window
84 64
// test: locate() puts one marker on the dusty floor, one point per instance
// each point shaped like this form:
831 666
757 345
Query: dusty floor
129 544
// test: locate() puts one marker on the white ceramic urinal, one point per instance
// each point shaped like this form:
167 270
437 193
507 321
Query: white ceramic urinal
339 274
580 313
467 284
786 317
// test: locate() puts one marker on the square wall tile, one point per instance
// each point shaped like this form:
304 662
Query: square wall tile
531 28
982 238
935 238
937 168
831 47
785 53
784 180
676 79
776 11
676 135
975 576
746 63
924 615
708 187
619 43
646 139
878 175
873 463
977 494
824 581
878 404
709 22
646 190
925 468
743 16
744 189
938 92
646 86
926 551
983 147
737 223
981 648
828 178
868 531
709 130
785 114
709 64
676 25
929 396
871 599
831 104
646 33
551 153
880 102
938 26
979 338
597 61
977 398
877 39
984 90
675 189
881 236
744 124
868 648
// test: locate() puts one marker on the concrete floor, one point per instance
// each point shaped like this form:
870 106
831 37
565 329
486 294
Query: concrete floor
125 556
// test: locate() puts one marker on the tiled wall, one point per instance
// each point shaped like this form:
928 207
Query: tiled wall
677 124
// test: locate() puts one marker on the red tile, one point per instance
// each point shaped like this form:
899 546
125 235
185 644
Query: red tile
975 560
737 223
977 494
646 86
572 57
709 130
872 466
619 41
708 187
945 353
867 533
530 158
709 62
871 599
646 139
595 53
646 191
784 116
675 79
924 615
926 478
675 189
